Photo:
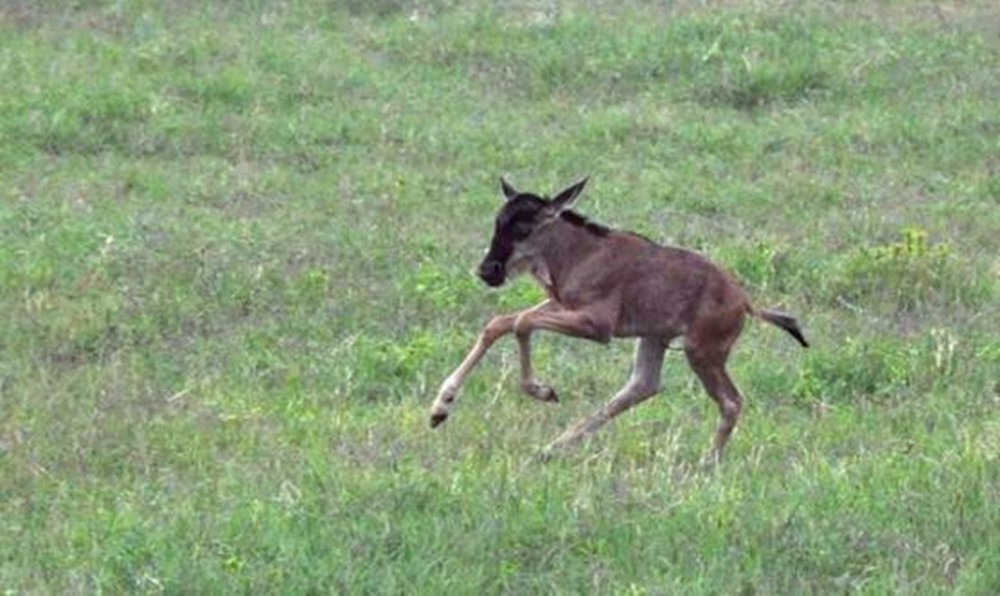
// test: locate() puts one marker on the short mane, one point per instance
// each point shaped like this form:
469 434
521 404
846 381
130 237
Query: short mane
591 226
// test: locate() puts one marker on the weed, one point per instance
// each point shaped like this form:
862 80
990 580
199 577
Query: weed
758 62
907 275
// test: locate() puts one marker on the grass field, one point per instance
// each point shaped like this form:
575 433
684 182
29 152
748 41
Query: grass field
236 243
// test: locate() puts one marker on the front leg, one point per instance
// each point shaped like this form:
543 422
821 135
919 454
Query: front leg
594 324
494 330
529 384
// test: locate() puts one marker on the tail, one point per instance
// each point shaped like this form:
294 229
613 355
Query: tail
786 322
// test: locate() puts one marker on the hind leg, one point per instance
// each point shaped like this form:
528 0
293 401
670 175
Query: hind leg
711 370
642 384
707 348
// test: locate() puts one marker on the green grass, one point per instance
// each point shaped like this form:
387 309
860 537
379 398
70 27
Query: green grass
235 254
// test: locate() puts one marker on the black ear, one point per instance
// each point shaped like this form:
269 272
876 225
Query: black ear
566 197
508 191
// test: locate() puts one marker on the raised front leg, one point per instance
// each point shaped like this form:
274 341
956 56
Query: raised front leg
494 330
643 384
594 324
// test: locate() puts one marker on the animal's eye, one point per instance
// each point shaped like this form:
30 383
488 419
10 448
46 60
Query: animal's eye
522 230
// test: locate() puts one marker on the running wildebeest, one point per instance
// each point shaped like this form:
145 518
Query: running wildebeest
604 283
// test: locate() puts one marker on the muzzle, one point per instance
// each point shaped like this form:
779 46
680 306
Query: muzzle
492 272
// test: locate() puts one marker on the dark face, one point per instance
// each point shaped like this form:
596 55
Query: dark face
517 220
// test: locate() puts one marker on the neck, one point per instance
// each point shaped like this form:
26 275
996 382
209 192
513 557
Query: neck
565 246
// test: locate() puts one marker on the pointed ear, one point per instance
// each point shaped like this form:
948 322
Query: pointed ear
566 197
508 191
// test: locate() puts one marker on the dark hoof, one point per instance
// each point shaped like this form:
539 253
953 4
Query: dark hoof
437 419
541 392
546 394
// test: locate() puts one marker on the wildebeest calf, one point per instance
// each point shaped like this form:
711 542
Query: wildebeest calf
603 283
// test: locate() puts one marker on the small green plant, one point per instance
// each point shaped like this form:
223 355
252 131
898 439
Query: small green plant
757 86
905 274
755 265
869 370
379 369
436 288
310 287
748 65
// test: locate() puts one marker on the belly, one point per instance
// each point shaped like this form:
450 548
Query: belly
633 323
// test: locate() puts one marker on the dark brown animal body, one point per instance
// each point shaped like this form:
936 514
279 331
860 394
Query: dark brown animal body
602 284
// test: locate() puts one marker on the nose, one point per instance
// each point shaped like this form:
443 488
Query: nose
491 271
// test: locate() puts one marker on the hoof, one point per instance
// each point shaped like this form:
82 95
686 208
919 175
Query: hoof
540 392
437 419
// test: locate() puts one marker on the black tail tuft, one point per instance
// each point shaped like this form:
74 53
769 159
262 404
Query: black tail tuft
786 322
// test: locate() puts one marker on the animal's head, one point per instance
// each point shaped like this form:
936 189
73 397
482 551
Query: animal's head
518 223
